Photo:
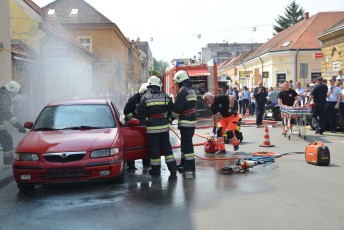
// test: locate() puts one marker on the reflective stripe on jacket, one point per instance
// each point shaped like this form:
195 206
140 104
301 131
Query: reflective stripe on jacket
185 107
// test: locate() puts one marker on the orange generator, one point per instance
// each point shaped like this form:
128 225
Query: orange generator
317 154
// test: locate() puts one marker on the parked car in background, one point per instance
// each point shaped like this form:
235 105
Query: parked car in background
77 140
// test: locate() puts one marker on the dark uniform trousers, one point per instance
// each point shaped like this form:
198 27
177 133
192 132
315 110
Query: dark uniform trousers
6 141
187 148
319 115
161 139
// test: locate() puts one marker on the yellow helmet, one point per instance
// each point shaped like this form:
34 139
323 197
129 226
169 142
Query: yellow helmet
153 80
143 88
180 76
13 86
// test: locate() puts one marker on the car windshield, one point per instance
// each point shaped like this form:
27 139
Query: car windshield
75 117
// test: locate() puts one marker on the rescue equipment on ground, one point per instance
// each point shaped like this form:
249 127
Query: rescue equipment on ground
243 165
266 142
211 144
317 154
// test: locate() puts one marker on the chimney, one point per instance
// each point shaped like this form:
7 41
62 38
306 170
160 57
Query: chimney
306 15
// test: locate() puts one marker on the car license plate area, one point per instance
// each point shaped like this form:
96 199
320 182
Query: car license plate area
56 173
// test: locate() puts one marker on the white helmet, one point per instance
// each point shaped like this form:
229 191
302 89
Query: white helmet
143 88
12 86
153 80
180 76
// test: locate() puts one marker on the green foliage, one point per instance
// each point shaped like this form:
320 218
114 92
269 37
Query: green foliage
293 14
158 68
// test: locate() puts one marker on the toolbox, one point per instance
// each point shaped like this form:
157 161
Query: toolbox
317 154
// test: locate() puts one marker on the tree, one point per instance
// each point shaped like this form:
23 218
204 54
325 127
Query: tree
293 14
158 68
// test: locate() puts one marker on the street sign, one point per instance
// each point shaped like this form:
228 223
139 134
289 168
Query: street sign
318 55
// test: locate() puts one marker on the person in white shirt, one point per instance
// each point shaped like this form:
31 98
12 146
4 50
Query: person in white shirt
340 75
252 103
301 93
333 99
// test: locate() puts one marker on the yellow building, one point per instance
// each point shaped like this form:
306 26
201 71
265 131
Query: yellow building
291 54
104 39
332 43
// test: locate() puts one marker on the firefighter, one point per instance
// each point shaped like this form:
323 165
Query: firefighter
155 107
227 106
185 109
7 92
130 112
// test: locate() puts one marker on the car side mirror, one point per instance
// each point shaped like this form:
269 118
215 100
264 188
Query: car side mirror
28 125
134 122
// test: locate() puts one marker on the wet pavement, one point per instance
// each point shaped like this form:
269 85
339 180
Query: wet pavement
287 194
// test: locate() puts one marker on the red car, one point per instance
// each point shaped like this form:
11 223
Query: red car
77 140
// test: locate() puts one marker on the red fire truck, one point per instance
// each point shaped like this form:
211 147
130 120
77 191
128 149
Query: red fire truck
203 80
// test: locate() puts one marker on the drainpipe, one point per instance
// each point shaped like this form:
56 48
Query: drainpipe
295 73
262 66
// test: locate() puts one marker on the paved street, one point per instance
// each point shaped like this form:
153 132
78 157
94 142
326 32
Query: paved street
287 194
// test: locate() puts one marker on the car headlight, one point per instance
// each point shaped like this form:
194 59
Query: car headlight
26 157
104 152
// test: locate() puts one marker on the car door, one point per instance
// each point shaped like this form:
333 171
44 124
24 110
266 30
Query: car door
134 139
134 142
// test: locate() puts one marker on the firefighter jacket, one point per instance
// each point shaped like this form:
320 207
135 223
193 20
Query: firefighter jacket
185 105
130 108
5 109
155 109
221 105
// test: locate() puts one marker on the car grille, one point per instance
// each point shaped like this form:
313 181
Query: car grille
65 173
64 157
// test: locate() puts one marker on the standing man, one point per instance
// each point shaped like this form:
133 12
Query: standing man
155 107
318 94
301 93
227 106
245 100
332 105
185 109
286 98
130 112
260 95
7 92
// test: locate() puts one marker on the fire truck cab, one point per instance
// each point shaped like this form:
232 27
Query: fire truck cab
202 77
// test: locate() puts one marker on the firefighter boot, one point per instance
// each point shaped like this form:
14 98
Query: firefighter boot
181 165
131 165
155 170
172 167
146 162
8 157
221 144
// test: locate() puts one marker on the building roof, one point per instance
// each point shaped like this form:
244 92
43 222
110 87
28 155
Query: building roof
336 27
303 35
236 60
85 12
55 28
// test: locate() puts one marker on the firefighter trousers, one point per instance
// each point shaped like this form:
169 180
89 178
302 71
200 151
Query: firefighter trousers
157 142
187 148
6 142
228 125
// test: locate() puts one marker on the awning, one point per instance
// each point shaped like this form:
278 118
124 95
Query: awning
197 72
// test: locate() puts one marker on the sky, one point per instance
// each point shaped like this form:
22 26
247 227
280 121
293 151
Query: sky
180 28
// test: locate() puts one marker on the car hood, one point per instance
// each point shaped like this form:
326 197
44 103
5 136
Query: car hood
67 140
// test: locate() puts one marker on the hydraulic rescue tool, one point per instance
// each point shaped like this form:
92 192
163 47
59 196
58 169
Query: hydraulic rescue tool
243 165
317 154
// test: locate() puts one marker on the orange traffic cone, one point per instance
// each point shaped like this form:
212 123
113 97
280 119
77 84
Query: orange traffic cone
266 142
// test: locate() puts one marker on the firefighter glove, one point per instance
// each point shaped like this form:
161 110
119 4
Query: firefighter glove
214 130
20 127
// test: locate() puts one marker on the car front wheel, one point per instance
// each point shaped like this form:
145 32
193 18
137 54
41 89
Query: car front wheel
26 188
118 179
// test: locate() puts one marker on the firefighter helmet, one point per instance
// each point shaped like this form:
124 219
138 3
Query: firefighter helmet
143 88
153 80
12 86
180 76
